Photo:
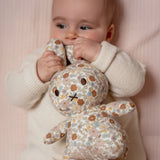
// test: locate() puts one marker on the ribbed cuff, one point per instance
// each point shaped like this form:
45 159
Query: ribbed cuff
33 82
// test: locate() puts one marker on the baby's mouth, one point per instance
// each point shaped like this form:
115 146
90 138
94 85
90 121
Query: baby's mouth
68 42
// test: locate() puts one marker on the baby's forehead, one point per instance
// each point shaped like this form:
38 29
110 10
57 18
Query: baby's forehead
91 6
82 8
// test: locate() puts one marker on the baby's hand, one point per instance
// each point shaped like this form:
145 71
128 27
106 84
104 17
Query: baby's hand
47 65
86 49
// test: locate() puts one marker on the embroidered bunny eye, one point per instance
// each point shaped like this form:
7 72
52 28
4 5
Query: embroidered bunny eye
56 92
83 81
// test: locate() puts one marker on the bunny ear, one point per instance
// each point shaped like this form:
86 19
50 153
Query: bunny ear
69 53
57 47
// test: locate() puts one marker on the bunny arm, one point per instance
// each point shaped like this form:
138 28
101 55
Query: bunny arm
56 133
117 108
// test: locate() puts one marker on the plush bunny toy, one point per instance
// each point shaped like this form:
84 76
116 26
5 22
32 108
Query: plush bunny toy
91 131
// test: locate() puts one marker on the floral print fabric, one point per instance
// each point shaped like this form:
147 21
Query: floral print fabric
91 130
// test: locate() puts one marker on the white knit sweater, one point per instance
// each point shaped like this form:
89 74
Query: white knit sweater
126 78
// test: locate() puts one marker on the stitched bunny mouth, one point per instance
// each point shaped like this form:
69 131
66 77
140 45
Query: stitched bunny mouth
73 97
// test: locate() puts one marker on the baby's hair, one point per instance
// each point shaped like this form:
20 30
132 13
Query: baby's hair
110 6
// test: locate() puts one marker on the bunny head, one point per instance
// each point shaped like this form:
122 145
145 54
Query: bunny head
77 88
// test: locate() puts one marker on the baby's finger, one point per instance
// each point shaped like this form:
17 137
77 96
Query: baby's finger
77 47
46 53
77 53
80 40
54 63
56 68
53 58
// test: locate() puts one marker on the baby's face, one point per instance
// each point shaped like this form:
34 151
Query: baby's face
78 18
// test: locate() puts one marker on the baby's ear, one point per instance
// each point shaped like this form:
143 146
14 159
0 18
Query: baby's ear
110 33
57 46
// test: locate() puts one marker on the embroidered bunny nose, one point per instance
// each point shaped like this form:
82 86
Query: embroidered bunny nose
73 97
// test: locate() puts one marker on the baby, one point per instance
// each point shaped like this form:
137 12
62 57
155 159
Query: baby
81 24
87 25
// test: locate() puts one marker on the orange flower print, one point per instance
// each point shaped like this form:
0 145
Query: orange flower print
74 136
111 121
94 93
132 105
80 102
69 124
115 114
92 78
123 106
57 42
92 118
73 87
49 135
62 135
104 114
103 108
66 75
80 65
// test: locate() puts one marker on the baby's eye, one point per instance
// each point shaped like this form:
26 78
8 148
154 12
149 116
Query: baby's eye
85 27
61 26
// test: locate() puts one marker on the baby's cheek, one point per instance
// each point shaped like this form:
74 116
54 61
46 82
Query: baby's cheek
90 36
97 37
55 33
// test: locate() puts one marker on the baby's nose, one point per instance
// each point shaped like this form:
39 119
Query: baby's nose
71 36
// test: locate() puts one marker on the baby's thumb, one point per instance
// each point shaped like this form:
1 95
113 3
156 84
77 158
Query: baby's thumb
77 55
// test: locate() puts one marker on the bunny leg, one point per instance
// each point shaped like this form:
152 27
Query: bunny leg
66 154
56 133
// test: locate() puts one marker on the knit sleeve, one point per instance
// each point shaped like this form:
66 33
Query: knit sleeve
126 76
23 86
